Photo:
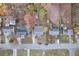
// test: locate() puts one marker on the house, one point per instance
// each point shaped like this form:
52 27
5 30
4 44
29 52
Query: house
12 28
21 32
5 22
9 20
6 31
38 30
68 32
36 33
54 32
12 21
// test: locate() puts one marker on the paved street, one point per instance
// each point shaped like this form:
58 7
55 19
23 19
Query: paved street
70 47
36 46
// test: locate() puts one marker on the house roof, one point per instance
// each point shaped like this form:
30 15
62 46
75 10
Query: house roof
13 21
37 30
21 31
10 20
6 27
54 31
21 27
70 31
6 30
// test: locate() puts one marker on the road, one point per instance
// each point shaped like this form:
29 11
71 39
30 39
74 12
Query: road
37 46
70 47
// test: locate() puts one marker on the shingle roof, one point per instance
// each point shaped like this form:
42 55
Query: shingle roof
12 22
6 30
54 31
21 31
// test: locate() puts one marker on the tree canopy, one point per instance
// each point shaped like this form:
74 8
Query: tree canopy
3 9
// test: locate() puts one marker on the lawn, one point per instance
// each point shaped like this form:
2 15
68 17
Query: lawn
21 52
57 52
64 39
27 40
4 52
36 52
77 52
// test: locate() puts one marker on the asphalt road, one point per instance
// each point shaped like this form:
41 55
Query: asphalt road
37 46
